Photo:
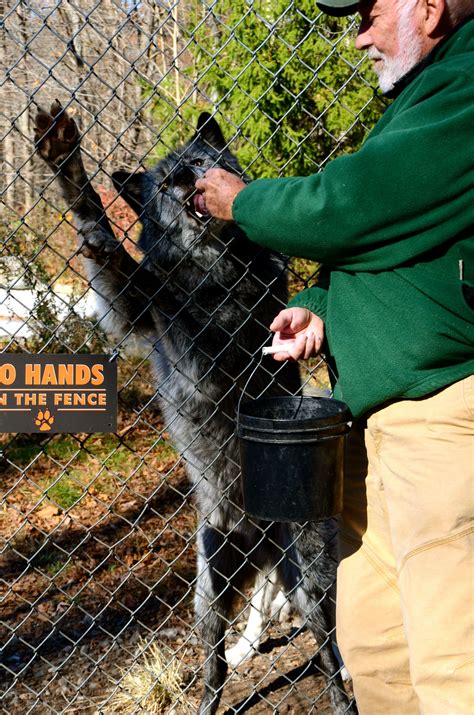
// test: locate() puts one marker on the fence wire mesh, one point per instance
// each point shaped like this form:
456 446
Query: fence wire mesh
120 551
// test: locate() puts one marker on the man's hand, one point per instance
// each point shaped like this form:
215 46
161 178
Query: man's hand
219 189
299 332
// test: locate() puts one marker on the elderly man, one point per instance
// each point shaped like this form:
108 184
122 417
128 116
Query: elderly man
393 226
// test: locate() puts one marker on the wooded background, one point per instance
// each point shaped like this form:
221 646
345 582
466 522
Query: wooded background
97 532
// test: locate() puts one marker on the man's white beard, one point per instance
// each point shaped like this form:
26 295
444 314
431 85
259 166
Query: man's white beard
394 68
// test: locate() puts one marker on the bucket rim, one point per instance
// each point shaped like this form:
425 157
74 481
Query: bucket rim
340 414
313 437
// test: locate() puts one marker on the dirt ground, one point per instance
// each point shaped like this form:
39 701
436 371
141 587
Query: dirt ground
280 679
97 560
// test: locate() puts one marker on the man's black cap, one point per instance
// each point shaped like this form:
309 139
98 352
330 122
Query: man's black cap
338 7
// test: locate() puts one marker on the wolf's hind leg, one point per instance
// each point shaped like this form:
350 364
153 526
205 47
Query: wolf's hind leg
220 573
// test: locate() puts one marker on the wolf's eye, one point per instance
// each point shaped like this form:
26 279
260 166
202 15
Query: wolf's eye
197 162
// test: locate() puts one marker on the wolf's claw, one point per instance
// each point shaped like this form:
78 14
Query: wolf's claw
97 244
56 134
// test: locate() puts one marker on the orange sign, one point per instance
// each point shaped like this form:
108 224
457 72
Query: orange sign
57 393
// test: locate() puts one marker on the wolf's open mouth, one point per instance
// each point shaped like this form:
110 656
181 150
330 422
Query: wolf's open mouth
197 206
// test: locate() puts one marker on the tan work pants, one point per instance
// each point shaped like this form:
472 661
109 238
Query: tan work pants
405 580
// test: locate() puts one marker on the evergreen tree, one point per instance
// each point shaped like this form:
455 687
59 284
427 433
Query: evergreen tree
285 79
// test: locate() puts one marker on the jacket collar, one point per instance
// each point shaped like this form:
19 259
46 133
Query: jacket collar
426 61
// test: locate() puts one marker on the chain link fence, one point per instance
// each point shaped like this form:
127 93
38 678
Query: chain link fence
99 531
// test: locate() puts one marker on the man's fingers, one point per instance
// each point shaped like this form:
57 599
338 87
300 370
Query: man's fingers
206 181
309 346
282 320
219 188
304 346
291 320
215 172
290 348
282 357
313 345
201 185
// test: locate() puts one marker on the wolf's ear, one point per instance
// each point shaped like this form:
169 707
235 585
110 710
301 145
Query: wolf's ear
209 130
129 186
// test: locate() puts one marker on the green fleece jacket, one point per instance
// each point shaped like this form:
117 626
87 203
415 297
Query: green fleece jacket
393 223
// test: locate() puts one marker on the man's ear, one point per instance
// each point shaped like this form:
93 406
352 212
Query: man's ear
435 18
129 186
209 130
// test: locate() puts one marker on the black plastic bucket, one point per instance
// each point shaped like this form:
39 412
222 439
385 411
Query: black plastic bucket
292 457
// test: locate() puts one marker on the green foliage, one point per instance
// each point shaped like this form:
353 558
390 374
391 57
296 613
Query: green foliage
65 492
23 454
63 448
282 76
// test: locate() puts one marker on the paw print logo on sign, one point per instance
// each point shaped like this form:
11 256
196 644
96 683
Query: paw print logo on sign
44 420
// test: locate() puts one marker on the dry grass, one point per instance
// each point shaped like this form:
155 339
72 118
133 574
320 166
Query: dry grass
152 685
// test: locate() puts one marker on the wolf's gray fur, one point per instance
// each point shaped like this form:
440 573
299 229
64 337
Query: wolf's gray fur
204 295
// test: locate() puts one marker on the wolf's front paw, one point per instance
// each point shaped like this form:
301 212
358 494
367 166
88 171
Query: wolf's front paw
99 244
56 134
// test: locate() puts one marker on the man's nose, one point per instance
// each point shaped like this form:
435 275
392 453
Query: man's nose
363 40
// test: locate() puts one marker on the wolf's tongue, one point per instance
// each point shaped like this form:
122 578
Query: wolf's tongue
200 204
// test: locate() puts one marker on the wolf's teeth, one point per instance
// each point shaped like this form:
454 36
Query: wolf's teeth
198 214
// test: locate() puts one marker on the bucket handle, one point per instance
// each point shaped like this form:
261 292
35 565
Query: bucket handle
257 365
267 350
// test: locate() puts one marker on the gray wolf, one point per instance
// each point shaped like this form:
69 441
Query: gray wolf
203 295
